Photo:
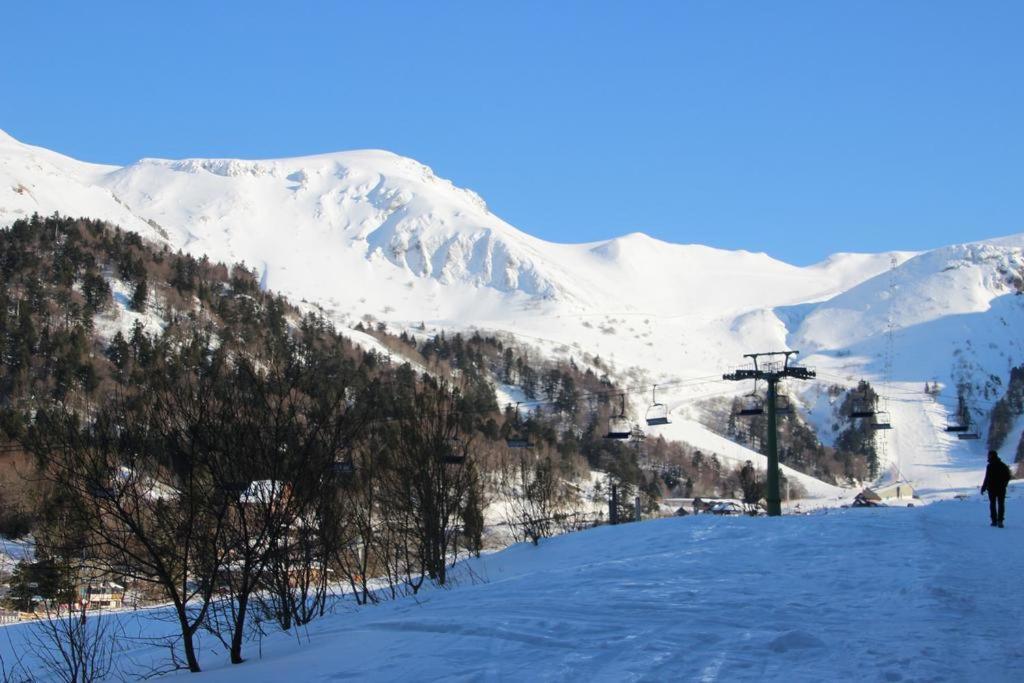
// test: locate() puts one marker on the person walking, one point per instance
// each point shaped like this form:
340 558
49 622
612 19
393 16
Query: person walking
997 476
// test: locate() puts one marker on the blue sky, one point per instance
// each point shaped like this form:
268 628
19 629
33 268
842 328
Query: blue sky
796 128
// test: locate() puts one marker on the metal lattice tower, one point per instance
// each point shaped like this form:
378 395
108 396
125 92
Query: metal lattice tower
772 369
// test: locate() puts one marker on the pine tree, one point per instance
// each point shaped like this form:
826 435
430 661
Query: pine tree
138 302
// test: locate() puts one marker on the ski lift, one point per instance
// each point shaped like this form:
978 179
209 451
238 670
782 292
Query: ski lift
657 413
231 490
342 464
862 406
452 456
783 406
342 467
752 404
618 425
881 420
100 492
518 438
962 427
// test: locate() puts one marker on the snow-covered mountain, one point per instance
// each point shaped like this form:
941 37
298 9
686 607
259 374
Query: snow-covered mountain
314 225
370 233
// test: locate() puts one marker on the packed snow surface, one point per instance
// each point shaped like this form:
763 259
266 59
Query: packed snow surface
886 594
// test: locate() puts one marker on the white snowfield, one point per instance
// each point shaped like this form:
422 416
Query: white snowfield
370 233
887 594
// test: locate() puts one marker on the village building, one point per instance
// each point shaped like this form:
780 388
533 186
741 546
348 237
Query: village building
102 595
894 492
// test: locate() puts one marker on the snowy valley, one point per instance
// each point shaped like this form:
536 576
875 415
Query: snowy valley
423 284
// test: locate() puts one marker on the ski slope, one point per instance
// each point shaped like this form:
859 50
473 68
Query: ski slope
732 454
888 594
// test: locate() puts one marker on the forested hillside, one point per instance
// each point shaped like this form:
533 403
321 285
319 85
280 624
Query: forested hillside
170 424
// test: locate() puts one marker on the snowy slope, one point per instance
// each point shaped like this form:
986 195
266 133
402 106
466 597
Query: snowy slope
956 317
891 594
370 233
314 225
36 180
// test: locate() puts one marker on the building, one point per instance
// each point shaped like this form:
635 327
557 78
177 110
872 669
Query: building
101 595
896 491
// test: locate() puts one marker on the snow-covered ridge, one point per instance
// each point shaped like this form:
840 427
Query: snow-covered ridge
354 207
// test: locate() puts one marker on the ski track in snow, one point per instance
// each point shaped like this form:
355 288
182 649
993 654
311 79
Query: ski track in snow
891 594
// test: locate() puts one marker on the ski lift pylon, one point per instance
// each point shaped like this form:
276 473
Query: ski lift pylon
657 413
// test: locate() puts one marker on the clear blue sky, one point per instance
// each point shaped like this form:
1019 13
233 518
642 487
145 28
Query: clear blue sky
796 128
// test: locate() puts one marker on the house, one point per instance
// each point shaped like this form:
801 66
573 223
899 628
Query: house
101 595
895 492
899 490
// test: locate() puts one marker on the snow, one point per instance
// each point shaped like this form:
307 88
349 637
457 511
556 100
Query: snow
121 318
14 550
373 233
886 594
731 453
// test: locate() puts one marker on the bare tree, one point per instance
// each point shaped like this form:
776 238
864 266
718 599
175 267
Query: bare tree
368 547
109 471
74 649
283 435
427 482
537 502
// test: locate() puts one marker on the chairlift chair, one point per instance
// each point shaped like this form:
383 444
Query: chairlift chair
227 491
618 425
752 405
238 487
962 427
862 407
453 455
657 413
783 406
342 468
518 438
957 426
882 420
101 492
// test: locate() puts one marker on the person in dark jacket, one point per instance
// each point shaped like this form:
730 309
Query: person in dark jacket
997 476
